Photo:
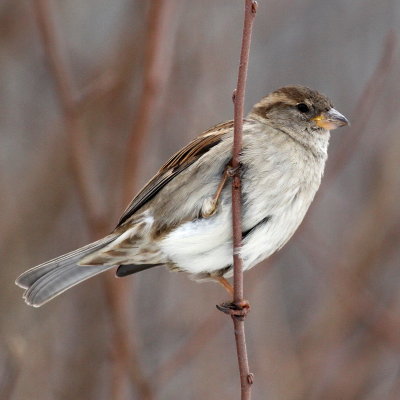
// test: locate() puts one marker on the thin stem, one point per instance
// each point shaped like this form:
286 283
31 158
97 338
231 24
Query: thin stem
245 376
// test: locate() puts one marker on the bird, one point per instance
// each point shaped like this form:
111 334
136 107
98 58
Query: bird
182 218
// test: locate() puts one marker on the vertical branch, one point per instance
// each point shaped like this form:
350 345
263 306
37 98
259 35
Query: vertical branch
238 98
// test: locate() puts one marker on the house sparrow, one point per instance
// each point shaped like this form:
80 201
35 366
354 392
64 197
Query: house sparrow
182 217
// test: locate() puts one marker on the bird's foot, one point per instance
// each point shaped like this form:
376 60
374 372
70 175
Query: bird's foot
238 310
210 205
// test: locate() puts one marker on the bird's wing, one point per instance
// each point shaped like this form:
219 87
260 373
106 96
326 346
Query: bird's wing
175 165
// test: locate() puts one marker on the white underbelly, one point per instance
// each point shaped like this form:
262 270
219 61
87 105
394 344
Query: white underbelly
205 245
202 245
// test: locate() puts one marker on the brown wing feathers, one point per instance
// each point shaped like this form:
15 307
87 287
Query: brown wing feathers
175 165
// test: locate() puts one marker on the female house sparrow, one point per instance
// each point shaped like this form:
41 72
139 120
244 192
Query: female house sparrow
182 217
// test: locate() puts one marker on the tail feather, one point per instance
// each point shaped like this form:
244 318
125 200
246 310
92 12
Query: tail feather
58 281
47 280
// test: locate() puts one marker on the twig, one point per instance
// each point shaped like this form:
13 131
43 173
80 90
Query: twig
246 378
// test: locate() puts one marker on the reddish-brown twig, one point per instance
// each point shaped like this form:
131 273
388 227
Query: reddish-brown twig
246 378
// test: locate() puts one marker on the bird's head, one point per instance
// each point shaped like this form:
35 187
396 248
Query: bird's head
299 108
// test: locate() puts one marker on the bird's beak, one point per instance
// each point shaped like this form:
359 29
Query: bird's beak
331 119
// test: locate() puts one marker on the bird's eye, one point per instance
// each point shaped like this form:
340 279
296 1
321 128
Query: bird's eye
303 107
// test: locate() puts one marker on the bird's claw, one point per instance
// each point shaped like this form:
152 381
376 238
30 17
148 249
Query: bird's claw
238 310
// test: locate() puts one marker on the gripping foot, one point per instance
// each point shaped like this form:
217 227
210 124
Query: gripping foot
210 205
237 310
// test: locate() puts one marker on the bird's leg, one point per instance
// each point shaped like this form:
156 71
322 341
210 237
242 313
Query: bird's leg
225 284
237 310
210 204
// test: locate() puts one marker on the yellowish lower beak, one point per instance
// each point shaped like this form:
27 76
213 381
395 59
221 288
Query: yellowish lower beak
331 119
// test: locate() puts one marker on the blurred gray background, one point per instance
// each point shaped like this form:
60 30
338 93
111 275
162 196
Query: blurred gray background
142 79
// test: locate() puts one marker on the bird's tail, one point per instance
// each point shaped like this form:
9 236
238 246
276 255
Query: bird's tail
47 280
